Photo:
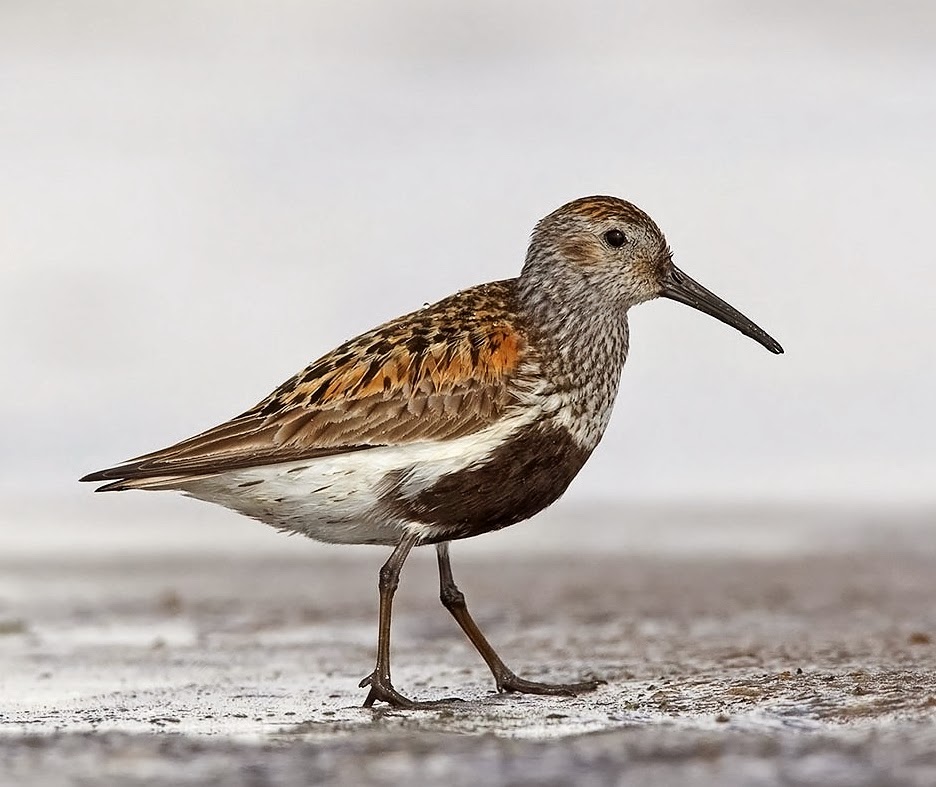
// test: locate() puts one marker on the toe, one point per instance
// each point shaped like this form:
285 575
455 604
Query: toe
511 683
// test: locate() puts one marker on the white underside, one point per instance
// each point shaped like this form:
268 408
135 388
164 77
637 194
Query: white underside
337 498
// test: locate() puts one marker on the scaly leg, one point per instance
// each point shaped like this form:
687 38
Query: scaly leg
379 680
454 601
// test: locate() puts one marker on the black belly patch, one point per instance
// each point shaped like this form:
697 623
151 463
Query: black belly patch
522 477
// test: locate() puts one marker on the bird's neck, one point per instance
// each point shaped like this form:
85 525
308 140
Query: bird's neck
582 341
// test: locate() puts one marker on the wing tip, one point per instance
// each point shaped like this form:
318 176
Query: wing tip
113 486
114 481
98 475
119 482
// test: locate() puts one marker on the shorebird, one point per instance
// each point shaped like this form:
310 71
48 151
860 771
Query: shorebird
463 417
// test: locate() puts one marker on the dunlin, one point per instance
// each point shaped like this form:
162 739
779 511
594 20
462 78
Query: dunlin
463 417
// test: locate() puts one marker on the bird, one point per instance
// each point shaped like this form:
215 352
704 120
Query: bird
461 418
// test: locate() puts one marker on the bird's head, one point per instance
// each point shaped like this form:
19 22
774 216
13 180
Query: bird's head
609 248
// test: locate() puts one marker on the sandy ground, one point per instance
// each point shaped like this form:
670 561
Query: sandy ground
734 659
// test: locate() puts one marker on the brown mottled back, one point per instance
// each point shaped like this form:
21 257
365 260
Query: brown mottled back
438 373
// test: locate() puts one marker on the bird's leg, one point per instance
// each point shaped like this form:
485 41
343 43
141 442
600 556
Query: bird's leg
379 680
454 601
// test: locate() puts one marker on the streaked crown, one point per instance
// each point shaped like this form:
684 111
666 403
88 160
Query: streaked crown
601 246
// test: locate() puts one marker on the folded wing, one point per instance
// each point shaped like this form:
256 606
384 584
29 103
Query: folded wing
440 373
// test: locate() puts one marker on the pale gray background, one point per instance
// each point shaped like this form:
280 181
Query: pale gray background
196 199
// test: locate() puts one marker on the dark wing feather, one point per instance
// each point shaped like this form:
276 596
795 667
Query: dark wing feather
439 373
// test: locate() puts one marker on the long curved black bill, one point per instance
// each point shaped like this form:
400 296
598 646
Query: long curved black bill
677 286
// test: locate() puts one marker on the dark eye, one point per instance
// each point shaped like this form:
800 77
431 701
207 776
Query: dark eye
615 238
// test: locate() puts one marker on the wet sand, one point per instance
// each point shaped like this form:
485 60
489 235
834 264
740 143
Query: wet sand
809 660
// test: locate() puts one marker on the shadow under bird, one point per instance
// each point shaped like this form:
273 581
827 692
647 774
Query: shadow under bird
464 417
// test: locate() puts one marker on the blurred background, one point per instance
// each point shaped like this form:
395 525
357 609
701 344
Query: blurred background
198 198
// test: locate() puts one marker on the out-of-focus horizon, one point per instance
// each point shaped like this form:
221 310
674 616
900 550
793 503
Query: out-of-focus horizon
199 199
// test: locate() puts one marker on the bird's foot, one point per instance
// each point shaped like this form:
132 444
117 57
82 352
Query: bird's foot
381 689
508 682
